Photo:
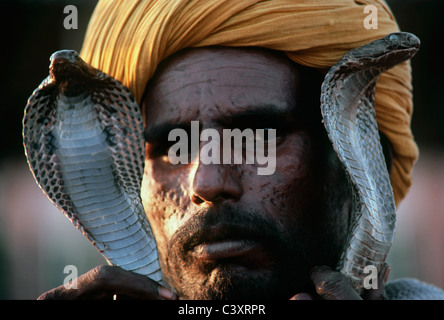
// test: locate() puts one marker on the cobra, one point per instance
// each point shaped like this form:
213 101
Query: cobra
347 107
83 138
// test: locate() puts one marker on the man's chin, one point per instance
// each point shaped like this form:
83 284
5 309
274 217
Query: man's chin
233 282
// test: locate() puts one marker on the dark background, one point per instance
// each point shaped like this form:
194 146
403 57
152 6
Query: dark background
33 30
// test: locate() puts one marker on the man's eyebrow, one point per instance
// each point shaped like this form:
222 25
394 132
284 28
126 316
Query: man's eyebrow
267 113
248 117
160 131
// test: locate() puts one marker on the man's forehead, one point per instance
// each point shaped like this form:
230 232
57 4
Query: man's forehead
218 83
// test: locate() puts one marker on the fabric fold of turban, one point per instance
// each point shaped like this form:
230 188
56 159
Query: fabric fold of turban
128 40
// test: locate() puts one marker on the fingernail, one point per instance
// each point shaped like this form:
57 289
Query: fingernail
317 269
387 273
302 296
166 294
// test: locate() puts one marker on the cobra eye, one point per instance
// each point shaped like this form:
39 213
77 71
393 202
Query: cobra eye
393 37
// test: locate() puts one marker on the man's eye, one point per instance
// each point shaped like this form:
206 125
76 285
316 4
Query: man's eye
159 151
162 150
174 152
265 135
270 135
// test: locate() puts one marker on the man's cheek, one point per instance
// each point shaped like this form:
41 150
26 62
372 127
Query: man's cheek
161 213
162 209
165 204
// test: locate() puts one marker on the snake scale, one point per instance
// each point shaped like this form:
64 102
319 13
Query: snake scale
83 138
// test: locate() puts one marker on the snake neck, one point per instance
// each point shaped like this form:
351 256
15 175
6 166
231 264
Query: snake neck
70 101
74 89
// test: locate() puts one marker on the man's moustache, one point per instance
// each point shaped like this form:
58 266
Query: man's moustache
227 222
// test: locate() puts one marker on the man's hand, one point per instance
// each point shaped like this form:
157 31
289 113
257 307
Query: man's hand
104 282
333 285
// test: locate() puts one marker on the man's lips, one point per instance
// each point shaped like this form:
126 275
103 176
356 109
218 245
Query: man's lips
230 244
224 249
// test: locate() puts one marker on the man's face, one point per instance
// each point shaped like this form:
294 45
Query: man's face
223 230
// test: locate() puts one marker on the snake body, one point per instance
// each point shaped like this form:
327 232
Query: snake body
83 138
81 133
347 107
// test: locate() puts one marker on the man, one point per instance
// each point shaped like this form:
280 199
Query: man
222 230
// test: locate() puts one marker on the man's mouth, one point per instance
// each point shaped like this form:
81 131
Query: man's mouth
224 249
230 239
230 244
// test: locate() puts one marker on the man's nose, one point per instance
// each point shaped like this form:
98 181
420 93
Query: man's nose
215 183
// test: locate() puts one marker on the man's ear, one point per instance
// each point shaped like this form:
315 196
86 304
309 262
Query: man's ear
387 149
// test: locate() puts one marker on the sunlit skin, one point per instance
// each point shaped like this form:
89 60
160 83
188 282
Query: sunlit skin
222 230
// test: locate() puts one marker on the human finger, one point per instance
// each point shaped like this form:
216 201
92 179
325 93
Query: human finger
108 282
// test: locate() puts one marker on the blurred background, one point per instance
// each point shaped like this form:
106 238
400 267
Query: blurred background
37 241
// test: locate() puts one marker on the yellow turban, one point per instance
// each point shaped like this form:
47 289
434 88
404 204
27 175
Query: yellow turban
128 39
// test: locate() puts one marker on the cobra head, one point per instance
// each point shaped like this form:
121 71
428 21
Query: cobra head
386 52
69 72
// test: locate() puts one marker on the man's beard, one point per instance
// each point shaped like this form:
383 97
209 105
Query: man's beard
283 273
